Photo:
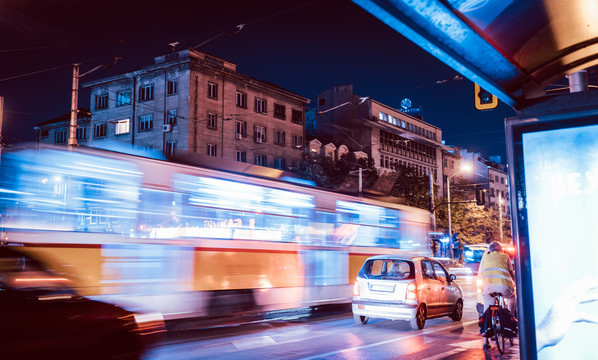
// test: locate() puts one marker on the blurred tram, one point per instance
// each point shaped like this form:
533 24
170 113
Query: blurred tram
191 241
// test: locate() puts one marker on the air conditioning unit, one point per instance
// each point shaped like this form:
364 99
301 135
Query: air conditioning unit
238 136
167 127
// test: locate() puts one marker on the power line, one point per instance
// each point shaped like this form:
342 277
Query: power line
35 72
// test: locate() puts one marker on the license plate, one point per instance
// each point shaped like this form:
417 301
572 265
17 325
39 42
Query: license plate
383 288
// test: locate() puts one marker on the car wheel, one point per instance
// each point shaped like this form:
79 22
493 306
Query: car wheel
360 320
457 313
418 322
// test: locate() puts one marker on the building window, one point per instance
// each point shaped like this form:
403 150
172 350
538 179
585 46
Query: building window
297 142
241 100
279 137
81 133
146 122
260 105
146 92
170 117
122 127
212 120
102 102
212 90
123 97
280 163
60 136
241 156
297 116
240 129
171 87
212 150
261 160
280 111
45 133
170 146
259 134
99 130
321 102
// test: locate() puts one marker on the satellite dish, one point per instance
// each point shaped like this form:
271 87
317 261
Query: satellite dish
406 104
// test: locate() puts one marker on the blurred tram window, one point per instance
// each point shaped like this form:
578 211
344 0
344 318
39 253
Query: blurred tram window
46 190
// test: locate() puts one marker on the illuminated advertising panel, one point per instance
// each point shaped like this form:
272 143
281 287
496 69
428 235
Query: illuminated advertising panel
555 194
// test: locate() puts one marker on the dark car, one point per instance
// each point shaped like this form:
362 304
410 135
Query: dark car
41 317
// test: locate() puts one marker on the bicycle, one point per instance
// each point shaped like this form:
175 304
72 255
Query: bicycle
497 326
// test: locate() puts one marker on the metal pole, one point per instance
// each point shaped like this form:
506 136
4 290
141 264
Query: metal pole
448 197
432 201
74 104
500 215
360 181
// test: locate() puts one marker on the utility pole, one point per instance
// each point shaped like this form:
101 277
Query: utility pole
74 104
75 99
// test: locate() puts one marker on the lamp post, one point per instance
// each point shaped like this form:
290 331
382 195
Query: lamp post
500 216
448 197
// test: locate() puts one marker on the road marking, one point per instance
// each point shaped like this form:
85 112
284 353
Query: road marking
419 333
251 343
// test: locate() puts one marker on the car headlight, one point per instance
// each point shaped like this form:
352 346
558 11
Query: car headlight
149 323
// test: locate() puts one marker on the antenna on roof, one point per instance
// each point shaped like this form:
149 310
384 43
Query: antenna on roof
173 45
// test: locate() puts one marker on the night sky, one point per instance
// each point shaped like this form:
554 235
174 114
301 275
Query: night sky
303 46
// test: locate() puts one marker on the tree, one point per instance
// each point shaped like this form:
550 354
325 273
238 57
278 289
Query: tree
330 174
412 187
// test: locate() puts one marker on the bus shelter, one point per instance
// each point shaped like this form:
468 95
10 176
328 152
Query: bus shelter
515 49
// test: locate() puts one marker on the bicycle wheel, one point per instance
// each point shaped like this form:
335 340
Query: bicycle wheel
498 336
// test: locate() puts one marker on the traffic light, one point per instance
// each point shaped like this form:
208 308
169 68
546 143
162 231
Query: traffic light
480 195
484 100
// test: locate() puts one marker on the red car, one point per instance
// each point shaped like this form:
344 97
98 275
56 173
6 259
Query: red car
43 318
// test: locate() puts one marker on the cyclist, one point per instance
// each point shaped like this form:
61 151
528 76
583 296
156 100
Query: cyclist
496 272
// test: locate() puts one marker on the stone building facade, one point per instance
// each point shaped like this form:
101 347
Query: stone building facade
195 102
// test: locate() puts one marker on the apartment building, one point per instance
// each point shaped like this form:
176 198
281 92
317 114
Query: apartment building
192 101
388 135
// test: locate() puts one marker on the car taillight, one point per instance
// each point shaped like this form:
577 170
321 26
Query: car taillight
411 291
356 288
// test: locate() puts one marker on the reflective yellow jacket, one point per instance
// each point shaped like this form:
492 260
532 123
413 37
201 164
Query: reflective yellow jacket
494 269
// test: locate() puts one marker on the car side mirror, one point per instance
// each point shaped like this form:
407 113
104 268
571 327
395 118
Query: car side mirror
452 277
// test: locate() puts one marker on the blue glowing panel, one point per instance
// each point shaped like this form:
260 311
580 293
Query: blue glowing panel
561 182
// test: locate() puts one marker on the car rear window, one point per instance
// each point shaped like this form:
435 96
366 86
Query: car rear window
390 269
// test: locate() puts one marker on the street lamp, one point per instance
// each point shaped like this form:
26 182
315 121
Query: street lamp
448 197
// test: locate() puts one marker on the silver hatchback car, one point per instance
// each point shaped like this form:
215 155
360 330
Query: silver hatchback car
399 287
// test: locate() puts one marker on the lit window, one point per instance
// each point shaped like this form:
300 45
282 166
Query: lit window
122 127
